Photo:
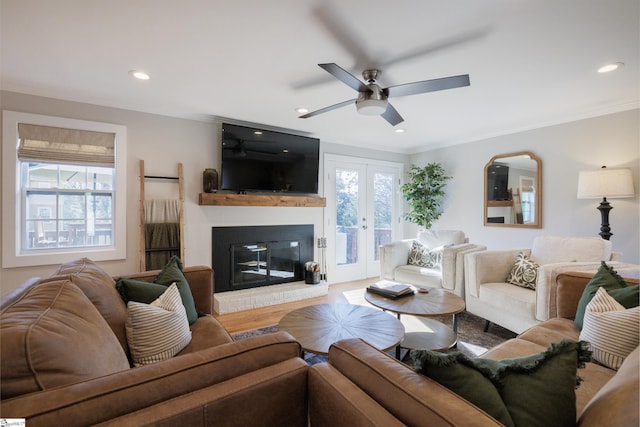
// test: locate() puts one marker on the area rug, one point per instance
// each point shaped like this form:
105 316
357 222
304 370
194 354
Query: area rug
472 340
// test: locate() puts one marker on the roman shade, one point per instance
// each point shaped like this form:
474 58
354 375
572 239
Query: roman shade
59 145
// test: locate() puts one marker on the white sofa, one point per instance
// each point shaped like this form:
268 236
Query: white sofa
488 295
394 260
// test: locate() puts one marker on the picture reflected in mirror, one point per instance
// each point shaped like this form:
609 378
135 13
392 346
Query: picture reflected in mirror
513 190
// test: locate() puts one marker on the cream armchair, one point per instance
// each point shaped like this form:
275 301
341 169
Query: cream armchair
454 245
488 295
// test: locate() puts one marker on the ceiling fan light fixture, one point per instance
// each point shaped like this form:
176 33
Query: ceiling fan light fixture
372 107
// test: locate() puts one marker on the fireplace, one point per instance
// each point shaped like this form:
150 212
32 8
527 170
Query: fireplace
253 256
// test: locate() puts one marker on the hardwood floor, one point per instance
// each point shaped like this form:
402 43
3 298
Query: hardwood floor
242 321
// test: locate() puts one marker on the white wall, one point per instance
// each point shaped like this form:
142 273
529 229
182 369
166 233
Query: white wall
612 140
162 142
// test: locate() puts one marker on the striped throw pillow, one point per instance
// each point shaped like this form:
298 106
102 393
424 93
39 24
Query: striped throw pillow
159 330
611 330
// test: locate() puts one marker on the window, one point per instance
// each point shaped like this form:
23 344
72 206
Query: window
66 196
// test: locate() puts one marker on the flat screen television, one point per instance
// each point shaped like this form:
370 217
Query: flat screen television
258 160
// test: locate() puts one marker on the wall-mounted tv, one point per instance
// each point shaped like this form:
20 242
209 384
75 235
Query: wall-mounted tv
258 160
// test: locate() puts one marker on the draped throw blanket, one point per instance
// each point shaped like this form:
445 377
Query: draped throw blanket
161 211
162 232
162 241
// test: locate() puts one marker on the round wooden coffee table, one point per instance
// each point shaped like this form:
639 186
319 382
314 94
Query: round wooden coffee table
316 327
437 302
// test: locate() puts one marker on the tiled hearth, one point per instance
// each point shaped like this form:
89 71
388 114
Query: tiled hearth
247 299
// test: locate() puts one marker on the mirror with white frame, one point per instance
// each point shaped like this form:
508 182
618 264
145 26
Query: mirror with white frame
513 191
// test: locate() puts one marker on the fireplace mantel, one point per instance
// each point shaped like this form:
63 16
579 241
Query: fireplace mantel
232 199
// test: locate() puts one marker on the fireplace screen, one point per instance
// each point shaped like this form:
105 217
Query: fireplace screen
264 262
250 256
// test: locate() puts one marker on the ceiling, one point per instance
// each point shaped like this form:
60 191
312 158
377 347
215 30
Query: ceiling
531 63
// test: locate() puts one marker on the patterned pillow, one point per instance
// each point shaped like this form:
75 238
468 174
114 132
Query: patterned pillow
159 330
524 272
422 256
611 330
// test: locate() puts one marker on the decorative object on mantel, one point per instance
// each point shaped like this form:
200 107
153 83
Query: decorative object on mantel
612 183
210 180
425 193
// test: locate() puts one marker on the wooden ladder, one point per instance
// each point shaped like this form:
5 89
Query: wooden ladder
141 210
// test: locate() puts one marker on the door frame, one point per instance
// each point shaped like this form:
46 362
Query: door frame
371 267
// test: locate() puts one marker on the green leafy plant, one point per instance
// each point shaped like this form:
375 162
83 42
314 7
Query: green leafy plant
425 193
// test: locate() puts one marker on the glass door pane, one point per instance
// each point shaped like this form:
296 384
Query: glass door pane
347 193
383 210
362 213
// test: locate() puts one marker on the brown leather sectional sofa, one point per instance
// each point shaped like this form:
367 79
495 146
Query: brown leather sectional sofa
62 337
49 360
360 386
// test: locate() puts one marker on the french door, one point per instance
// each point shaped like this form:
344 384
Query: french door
363 212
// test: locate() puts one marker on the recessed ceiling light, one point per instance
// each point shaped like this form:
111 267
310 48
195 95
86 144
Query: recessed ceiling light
400 130
257 132
302 110
610 67
140 75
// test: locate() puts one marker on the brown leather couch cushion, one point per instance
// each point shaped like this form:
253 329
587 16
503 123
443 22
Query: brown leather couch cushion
52 336
205 333
550 331
616 404
410 397
100 288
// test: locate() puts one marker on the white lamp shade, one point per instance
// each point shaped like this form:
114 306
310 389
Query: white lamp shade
612 183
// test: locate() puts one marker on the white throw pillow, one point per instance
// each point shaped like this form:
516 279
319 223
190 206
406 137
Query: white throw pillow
435 238
159 330
611 330
553 249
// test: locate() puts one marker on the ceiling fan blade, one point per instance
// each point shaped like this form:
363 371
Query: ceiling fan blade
392 116
342 32
428 86
345 77
434 47
329 108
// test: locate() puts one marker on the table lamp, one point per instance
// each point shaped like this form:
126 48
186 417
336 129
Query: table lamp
611 183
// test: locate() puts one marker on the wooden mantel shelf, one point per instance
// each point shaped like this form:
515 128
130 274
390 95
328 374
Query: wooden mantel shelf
499 203
231 199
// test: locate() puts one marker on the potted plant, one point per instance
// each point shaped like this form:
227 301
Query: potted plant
425 193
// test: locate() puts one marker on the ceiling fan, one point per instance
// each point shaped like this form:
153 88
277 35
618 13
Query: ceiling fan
374 100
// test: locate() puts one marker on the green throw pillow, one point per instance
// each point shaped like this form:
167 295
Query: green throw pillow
172 272
139 291
536 390
610 280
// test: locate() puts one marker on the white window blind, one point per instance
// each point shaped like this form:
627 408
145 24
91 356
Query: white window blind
70 146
